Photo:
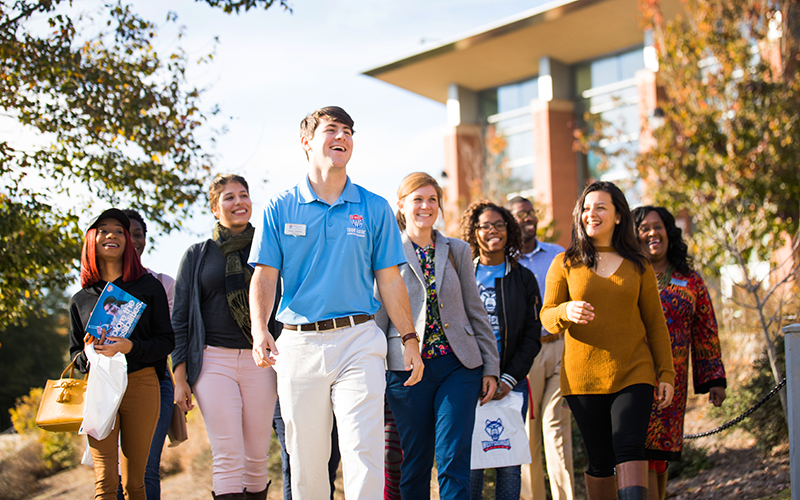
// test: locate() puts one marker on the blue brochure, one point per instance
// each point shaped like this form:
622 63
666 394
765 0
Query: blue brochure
115 313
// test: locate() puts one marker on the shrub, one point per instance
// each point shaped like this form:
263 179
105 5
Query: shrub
767 424
59 450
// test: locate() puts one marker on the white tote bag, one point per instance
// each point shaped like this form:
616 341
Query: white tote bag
108 379
499 438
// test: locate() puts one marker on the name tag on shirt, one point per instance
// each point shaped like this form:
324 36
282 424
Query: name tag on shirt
294 229
678 282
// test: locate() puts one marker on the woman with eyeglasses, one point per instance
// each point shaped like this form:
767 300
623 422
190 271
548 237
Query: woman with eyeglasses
436 416
692 329
510 296
603 293
152 472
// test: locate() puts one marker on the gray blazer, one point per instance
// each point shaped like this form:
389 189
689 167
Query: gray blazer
464 320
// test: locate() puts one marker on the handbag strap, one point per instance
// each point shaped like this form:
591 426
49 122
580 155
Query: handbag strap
71 368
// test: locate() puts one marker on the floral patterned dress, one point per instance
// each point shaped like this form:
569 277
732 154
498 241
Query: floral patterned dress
692 329
434 343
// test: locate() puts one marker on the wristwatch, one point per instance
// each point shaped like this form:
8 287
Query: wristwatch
409 336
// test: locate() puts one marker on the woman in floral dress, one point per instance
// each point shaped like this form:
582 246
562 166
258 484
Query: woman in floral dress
693 333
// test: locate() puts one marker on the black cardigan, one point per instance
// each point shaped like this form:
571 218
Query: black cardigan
152 337
518 306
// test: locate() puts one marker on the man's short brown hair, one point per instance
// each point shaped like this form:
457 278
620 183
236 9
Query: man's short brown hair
333 113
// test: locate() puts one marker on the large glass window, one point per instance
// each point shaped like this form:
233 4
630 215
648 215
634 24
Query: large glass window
607 88
507 110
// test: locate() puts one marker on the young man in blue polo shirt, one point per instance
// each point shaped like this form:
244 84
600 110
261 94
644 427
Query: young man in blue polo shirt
329 240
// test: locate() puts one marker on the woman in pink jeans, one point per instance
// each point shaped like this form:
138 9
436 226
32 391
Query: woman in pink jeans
212 358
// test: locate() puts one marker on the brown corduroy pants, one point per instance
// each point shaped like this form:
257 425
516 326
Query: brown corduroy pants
136 423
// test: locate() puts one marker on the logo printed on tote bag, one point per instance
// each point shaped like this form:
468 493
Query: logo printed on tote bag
494 428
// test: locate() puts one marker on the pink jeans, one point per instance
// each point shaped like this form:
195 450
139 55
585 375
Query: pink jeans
237 400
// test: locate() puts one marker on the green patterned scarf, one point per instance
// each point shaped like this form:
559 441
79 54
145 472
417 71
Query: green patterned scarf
237 273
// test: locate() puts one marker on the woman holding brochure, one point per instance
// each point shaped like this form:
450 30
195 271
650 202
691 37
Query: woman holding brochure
152 472
212 357
108 256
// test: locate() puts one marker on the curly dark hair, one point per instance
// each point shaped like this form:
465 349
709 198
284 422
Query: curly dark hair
677 249
624 241
469 226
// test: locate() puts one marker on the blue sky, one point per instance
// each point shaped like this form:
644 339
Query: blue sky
272 67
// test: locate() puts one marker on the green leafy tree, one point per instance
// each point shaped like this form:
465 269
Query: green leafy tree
730 143
114 121
31 354
235 6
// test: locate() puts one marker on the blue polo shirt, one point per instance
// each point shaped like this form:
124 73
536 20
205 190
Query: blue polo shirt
327 254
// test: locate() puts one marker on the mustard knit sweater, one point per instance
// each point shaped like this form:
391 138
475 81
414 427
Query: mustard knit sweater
626 343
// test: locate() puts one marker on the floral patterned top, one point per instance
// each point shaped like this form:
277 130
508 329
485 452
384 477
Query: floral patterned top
434 342
692 329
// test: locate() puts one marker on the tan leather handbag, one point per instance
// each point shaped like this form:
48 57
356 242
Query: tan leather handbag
61 408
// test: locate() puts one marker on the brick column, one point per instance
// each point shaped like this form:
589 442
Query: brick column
556 172
463 158
463 153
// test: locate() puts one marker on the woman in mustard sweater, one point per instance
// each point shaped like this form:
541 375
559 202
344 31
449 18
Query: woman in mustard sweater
603 293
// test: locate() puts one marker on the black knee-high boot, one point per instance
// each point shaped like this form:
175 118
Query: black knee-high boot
258 495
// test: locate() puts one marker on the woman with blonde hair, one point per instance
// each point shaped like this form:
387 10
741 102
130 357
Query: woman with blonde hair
436 416
212 356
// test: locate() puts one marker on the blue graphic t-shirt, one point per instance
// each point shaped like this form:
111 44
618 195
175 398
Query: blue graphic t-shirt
485 277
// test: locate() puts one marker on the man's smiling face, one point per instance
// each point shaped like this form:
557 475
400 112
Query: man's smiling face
331 146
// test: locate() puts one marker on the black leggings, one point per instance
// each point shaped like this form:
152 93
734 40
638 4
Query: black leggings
613 426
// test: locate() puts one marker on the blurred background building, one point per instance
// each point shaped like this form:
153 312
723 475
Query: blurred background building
516 89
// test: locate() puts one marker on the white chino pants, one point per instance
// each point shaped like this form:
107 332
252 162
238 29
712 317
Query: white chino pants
551 421
339 372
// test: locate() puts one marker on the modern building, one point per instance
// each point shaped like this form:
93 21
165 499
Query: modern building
531 78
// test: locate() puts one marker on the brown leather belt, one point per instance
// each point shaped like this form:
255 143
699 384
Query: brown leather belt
546 339
331 324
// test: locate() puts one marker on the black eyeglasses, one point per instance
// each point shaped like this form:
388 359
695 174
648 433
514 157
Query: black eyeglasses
522 214
499 225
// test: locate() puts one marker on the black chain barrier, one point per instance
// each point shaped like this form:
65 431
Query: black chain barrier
741 417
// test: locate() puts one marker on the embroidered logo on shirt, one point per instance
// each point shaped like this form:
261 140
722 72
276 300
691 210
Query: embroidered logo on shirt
357 222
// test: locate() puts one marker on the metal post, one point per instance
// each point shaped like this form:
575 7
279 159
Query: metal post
792 342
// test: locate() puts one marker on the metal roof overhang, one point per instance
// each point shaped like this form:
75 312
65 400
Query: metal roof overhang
569 31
